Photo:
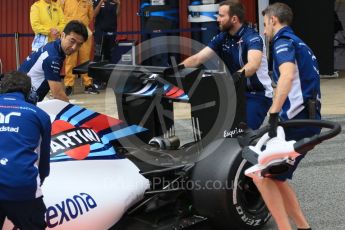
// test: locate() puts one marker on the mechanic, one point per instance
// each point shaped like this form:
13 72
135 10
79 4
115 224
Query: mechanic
106 13
242 49
78 10
297 97
43 66
47 21
25 153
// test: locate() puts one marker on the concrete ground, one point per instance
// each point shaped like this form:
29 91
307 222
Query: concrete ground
320 179
333 95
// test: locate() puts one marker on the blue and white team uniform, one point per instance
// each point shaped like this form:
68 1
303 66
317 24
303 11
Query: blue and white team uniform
233 50
287 47
25 148
44 65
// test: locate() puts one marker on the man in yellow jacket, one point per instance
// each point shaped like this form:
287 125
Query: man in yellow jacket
81 10
47 21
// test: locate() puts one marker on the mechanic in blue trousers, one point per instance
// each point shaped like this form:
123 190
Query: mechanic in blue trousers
44 66
25 154
297 96
242 49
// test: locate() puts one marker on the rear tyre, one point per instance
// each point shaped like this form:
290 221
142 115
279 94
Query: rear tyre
236 204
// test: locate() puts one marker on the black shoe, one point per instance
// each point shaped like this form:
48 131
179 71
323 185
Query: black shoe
69 90
90 89
100 85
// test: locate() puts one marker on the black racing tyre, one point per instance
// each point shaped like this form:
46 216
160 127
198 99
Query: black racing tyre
236 204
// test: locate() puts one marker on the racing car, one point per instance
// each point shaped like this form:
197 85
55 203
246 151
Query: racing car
135 172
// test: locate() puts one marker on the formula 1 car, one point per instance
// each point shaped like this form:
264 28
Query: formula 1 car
137 173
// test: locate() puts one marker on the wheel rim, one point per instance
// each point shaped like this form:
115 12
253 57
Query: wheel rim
248 195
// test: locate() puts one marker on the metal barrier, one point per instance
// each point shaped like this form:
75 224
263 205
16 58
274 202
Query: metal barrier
16 43
18 35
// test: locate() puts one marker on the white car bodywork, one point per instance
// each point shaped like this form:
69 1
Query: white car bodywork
88 194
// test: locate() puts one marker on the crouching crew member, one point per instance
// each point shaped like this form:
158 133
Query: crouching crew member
24 156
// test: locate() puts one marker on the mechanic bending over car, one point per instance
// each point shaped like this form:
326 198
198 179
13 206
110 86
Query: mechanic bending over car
25 154
44 66
242 49
297 97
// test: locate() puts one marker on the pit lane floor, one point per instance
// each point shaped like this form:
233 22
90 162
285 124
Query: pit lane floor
320 178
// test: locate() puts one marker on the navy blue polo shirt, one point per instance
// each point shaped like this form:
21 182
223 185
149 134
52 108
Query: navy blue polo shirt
106 20
43 65
287 47
233 51
25 148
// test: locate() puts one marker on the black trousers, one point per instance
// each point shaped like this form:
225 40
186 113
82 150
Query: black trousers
25 215
104 44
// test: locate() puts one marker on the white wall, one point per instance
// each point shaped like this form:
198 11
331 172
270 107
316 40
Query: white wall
262 5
